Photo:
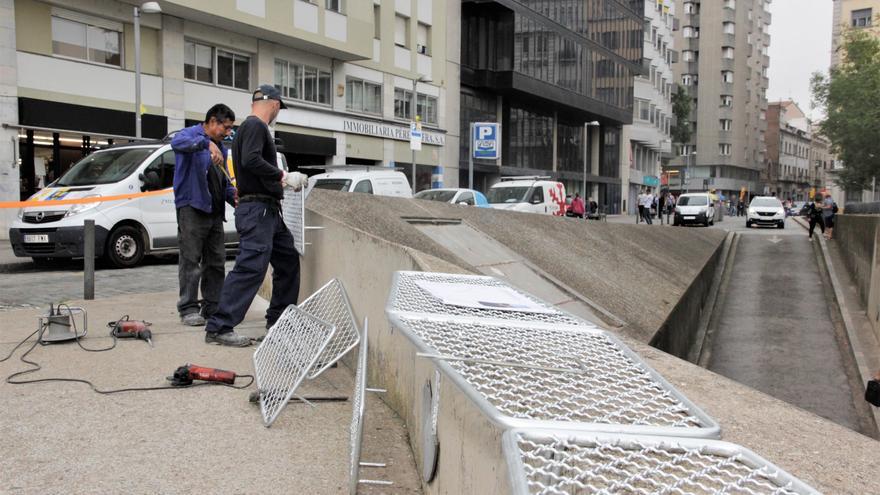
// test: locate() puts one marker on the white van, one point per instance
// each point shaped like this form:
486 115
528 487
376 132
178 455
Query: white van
696 208
124 230
529 194
380 181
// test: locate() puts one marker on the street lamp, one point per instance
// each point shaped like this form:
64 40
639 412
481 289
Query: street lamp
587 126
421 79
146 8
688 172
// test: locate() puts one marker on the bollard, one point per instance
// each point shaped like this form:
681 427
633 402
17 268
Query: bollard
89 260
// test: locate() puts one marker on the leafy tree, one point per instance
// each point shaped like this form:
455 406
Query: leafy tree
850 96
681 108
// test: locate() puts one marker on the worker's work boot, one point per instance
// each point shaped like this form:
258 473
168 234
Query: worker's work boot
193 320
231 339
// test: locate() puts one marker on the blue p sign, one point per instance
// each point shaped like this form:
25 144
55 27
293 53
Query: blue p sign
486 140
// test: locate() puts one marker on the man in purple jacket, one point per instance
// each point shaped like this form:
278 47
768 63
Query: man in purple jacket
201 188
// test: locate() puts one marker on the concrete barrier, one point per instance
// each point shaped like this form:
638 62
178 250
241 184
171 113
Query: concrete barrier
859 238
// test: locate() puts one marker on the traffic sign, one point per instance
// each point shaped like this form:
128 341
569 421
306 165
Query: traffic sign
415 135
486 140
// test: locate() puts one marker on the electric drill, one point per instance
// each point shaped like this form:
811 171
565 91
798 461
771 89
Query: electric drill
131 329
185 375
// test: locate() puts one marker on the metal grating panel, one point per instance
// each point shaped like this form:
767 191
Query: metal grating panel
558 462
285 356
407 297
357 413
574 378
330 303
293 210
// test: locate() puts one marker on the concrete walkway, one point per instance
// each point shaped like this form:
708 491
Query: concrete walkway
64 438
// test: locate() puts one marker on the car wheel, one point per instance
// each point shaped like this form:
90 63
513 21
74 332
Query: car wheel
781 225
748 224
125 247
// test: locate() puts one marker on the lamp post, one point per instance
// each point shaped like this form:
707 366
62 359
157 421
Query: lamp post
688 172
147 8
421 79
587 126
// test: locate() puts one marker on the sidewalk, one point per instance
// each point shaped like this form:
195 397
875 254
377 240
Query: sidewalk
65 438
863 341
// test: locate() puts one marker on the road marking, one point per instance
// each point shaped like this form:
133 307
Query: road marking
775 239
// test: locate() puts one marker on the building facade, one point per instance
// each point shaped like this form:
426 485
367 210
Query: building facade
856 14
346 68
647 143
723 65
558 76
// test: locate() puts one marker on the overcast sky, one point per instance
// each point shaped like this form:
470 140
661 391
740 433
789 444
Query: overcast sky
800 44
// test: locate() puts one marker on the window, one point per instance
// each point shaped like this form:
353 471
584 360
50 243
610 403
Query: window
861 17
364 186
643 107
467 198
402 103
687 79
423 37
377 22
86 42
725 124
363 96
401 31
301 82
688 56
724 149
334 5
730 4
727 76
198 62
727 52
690 8
426 108
163 167
233 70
726 100
728 28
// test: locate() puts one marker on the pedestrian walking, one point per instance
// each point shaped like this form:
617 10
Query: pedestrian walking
814 213
201 190
577 206
646 202
661 206
641 206
829 212
592 209
263 238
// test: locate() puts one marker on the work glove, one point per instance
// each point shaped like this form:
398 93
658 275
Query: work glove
296 180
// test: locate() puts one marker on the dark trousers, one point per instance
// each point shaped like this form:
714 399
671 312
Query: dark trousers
646 214
201 260
263 240
641 214
816 221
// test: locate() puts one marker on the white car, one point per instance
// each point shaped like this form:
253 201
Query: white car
696 208
766 210
529 194
124 230
380 181
454 196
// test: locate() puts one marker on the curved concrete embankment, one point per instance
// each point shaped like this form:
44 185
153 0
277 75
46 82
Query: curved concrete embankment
638 274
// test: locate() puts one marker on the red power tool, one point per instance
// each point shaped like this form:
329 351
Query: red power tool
131 329
185 375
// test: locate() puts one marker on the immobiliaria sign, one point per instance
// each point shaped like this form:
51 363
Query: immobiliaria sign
333 122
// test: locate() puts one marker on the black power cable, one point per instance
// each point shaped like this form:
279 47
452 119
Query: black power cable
36 367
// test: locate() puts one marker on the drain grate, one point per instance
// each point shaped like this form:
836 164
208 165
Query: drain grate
285 357
544 462
330 303
407 297
527 376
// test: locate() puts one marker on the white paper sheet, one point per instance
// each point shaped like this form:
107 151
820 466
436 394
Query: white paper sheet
482 297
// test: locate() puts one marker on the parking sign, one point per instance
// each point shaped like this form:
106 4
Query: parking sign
486 140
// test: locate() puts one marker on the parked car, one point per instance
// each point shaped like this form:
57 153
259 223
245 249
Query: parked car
459 196
695 208
369 180
125 231
529 194
765 210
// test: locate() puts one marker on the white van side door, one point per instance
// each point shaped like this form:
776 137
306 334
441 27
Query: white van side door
159 213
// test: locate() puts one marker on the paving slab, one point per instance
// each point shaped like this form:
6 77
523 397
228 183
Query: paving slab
64 438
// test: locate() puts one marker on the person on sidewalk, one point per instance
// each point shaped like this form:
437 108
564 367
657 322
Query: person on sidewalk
592 209
829 211
263 238
640 202
647 202
577 206
200 191
814 214
661 206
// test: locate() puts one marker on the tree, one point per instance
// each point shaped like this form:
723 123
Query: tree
850 96
681 109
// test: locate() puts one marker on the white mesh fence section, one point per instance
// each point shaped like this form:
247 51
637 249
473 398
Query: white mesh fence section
613 389
356 429
558 464
293 210
330 303
407 297
285 356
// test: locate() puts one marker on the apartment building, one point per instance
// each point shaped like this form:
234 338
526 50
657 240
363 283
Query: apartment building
347 69
789 142
647 143
558 76
856 14
723 65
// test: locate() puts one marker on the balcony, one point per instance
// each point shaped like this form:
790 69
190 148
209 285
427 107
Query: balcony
728 64
728 39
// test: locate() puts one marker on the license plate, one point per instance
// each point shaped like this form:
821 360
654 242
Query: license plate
44 238
690 218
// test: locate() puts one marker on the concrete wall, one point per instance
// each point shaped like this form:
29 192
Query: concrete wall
859 238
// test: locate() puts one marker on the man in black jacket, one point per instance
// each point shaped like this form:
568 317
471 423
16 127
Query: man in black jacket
263 237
